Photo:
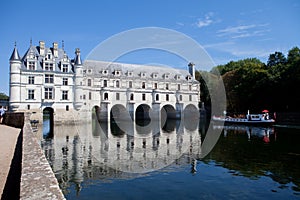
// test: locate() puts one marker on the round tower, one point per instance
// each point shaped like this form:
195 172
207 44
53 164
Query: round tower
15 80
78 80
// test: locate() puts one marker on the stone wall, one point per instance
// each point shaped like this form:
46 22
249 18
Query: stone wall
37 178
14 119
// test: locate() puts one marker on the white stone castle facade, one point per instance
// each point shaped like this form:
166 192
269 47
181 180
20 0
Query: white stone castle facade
47 78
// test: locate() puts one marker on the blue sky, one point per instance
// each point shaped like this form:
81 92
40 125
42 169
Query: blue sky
228 30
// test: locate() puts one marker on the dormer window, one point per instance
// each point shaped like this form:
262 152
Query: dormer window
48 66
117 73
129 74
31 65
188 77
143 74
177 77
166 76
65 68
154 75
104 72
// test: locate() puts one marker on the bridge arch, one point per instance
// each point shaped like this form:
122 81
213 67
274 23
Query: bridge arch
168 111
48 125
118 112
142 112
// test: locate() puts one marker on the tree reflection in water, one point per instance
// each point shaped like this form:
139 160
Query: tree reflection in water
98 154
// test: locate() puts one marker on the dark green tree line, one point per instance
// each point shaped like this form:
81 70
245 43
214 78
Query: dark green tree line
254 85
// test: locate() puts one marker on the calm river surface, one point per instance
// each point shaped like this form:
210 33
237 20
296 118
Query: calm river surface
100 161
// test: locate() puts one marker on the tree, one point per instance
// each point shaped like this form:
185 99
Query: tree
3 96
275 59
293 55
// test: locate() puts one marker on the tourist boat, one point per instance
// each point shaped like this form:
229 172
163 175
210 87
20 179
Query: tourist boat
263 118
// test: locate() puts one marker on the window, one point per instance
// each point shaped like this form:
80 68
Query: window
180 97
30 94
104 83
167 86
28 107
117 84
64 95
49 78
31 65
143 97
31 80
167 97
117 96
89 82
157 97
90 95
48 93
130 84
83 96
190 87
65 68
48 66
67 107
131 97
143 85
155 85
190 97
105 96
65 81
178 87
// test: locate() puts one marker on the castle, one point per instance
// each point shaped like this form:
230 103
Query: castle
48 79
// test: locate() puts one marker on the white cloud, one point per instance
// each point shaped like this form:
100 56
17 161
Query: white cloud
206 21
243 31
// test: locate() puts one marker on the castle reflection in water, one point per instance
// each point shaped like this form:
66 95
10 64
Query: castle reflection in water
100 151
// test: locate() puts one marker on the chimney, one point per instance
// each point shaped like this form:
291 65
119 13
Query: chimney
192 69
55 49
42 48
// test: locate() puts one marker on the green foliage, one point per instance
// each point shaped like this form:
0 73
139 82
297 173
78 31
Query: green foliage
3 96
251 84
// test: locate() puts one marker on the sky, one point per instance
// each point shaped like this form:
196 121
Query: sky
227 30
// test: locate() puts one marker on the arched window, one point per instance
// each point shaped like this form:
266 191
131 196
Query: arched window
117 83
105 96
157 97
131 97
167 97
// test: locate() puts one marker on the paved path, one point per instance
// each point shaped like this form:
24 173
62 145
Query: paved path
8 140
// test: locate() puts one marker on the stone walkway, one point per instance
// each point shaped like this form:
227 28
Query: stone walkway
8 140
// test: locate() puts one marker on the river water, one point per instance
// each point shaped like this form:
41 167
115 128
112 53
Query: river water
102 161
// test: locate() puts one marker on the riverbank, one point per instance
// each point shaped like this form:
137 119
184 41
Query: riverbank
28 173
8 142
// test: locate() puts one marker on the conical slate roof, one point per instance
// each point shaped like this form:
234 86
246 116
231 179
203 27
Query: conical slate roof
15 55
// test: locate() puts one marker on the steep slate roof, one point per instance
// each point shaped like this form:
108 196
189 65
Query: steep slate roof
99 66
35 51
15 55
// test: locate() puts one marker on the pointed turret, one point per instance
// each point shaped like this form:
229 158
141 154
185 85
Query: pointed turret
78 80
14 80
15 54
